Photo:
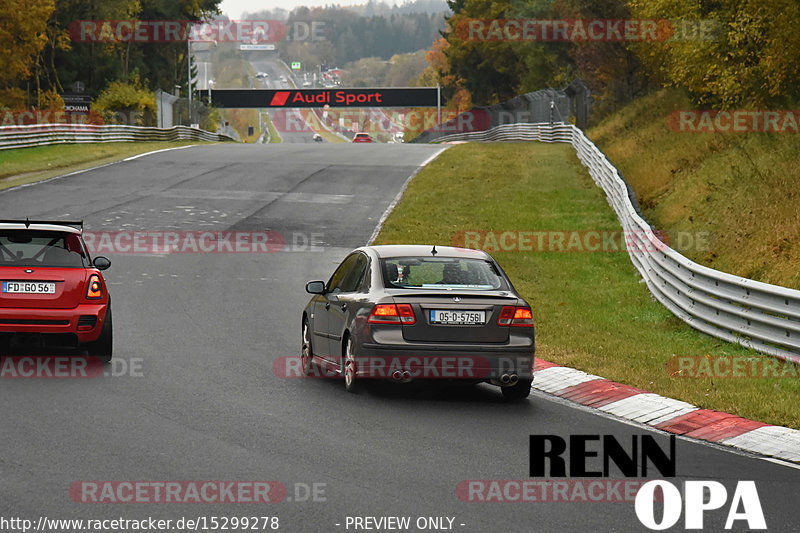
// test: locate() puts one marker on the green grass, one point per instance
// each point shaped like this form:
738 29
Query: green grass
741 189
232 71
274 136
313 121
27 165
591 310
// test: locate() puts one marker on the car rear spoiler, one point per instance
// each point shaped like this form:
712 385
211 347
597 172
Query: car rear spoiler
28 222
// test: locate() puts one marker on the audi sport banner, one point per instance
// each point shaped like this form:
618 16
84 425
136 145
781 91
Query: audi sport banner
406 97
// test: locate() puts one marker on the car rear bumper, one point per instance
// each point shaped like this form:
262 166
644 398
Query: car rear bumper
90 317
450 361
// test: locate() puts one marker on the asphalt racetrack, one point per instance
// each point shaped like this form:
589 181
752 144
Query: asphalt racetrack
194 396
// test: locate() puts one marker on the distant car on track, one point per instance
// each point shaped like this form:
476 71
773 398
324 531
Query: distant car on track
52 293
404 312
261 75
362 138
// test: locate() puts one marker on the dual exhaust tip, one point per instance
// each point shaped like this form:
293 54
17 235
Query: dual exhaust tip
509 379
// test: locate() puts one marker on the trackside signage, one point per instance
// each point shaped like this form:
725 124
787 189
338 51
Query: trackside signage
342 98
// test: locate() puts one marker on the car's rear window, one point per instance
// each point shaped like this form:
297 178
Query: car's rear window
440 273
41 249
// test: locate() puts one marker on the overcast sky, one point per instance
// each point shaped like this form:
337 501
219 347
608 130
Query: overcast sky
235 8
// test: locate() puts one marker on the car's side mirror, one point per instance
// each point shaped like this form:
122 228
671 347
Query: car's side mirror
101 263
315 287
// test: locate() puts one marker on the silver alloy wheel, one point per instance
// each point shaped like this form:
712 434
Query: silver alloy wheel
350 383
306 353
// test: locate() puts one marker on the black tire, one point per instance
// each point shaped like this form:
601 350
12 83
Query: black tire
103 347
518 392
351 384
307 352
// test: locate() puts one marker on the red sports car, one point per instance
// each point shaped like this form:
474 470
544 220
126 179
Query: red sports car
52 293
362 138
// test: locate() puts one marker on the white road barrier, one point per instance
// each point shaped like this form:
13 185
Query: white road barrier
758 315
44 134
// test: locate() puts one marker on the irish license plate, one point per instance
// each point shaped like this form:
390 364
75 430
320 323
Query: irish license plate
29 287
449 316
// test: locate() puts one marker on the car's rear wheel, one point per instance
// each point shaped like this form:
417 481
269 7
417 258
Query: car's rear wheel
103 347
517 392
349 364
307 353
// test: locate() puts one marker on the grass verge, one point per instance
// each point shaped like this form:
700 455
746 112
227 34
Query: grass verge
27 165
739 190
314 123
591 310
274 136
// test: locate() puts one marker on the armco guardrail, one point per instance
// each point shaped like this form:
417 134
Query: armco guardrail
758 315
43 134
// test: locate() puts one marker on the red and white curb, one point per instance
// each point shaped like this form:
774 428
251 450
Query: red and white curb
673 416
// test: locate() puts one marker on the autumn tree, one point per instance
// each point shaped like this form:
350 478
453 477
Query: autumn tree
497 69
347 36
22 38
97 64
405 69
727 53
438 73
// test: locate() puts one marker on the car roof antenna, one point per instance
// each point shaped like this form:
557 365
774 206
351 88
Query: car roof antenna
27 222
434 252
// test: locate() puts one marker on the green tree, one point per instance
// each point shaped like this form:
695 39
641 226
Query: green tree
126 103
610 68
494 70
405 69
96 64
732 54
23 36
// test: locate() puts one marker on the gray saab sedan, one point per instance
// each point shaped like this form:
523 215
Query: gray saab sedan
405 312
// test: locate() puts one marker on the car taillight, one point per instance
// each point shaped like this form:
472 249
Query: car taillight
392 314
515 316
95 288
384 314
523 316
406 314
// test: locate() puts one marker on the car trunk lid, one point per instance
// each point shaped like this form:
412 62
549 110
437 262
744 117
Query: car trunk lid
447 318
70 287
